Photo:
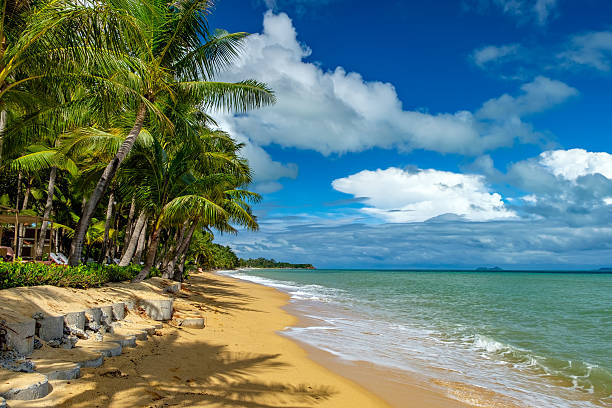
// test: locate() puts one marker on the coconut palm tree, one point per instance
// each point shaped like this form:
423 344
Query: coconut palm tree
177 55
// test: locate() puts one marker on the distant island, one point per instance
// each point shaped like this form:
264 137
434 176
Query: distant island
489 269
270 264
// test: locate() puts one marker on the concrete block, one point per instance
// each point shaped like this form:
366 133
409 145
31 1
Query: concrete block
20 336
138 334
60 371
92 363
124 340
75 319
191 322
94 315
118 311
158 309
130 304
23 386
107 315
50 327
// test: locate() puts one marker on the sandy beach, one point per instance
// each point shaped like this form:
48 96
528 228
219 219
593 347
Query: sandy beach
238 360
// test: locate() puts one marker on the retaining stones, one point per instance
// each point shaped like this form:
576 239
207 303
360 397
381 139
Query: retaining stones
75 319
23 386
118 311
50 327
94 315
123 340
93 363
130 304
192 322
107 314
20 336
174 288
61 371
158 309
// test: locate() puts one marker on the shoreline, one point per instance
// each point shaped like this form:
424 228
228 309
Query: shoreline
396 388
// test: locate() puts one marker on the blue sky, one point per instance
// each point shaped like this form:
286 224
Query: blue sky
428 134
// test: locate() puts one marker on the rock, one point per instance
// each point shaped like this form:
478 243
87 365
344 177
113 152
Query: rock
74 331
20 335
118 311
50 327
38 316
37 344
75 319
55 343
92 325
68 342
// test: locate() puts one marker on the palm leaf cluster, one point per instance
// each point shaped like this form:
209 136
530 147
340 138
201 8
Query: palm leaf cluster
105 126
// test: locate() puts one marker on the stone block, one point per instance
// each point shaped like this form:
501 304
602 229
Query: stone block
158 309
75 319
94 315
20 336
192 322
23 386
118 311
50 327
107 315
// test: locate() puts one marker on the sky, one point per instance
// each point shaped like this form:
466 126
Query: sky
412 134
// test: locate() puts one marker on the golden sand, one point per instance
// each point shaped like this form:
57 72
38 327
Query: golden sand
238 360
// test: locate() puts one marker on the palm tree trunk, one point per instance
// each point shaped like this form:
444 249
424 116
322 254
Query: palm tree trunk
129 229
139 229
26 198
76 248
2 127
182 254
168 264
150 254
107 224
140 247
48 207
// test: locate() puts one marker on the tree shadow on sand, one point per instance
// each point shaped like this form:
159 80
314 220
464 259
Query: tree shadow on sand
194 374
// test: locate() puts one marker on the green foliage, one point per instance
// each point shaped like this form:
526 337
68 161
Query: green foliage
271 264
83 276
208 255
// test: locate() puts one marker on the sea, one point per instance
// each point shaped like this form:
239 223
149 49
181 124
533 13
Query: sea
539 339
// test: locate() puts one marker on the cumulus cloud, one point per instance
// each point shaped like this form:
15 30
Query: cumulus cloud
397 195
574 163
538 11
592 49
338 111
494 54
265 170
537 96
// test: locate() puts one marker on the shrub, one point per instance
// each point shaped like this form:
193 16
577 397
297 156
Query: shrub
83 276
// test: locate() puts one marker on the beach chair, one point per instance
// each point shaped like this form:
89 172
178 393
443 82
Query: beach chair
54 257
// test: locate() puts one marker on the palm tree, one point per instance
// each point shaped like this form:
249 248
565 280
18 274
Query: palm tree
177 54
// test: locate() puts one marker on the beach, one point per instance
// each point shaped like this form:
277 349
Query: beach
238 360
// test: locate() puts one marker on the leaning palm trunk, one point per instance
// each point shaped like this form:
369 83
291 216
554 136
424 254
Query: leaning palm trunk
139 229
142 240
76 248
107 224
48 207
182 255
170 257
129 229
151 253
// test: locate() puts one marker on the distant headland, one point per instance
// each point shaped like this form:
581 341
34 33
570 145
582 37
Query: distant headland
271 264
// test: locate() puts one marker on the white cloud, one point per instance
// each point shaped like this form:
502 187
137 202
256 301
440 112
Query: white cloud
524 10
574 163
338 111
397 195
265 170
592 49
537 96
492 53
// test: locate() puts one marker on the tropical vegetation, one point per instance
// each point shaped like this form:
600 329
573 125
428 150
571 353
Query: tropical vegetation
106 133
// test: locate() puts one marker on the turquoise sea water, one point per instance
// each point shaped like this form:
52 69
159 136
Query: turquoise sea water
542 339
